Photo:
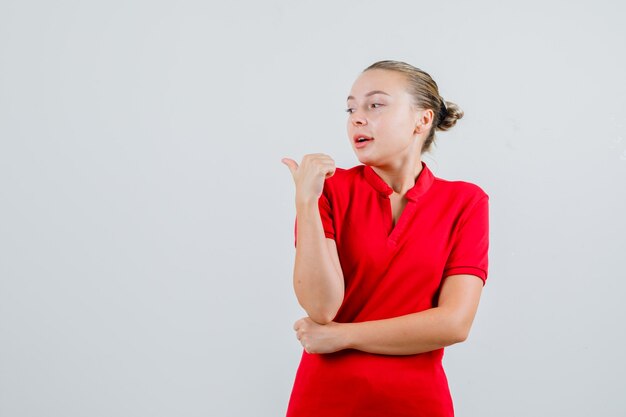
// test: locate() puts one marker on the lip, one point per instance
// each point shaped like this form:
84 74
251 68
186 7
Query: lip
360 145
356 136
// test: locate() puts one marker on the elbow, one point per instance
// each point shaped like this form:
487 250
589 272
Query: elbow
322 312
322 316
459 331
461 336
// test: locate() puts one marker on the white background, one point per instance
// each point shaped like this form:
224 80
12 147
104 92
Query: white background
146 221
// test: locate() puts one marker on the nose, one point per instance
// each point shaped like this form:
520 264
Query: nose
357 119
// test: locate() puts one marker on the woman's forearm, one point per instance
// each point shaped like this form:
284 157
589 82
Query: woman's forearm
405 335
318 285
409 334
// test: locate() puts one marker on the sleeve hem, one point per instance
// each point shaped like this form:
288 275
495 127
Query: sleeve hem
470 270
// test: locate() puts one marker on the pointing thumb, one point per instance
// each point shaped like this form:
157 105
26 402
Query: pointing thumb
291 164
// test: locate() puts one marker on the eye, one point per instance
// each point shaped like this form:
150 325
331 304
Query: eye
348 110
376 104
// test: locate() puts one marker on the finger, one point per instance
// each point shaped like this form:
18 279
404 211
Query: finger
291 164
327 167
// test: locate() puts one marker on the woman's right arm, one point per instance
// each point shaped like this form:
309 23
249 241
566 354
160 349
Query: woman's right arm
317 276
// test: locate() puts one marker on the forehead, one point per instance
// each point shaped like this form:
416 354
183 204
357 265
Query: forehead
391 82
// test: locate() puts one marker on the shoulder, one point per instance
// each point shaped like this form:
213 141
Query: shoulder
464 192
461 186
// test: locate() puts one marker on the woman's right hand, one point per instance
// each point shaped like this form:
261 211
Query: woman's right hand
309 176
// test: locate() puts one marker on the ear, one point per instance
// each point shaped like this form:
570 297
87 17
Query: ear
424 121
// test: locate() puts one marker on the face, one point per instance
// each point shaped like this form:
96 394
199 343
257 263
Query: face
380 107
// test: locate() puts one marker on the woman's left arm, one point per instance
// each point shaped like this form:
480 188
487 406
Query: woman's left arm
427 330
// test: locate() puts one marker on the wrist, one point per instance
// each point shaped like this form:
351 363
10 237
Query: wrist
306 203
347 335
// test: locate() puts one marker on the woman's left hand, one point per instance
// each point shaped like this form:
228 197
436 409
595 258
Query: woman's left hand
320 338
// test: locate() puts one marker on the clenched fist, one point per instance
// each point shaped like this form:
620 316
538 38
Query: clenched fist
309 176
320 338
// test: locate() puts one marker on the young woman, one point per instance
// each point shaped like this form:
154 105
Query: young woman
390 260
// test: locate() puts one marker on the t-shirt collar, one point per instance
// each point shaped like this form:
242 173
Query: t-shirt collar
422 183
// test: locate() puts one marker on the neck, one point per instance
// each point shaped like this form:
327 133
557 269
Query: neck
400 177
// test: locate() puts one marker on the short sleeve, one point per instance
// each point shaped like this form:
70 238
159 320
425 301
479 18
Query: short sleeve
326 216
469 254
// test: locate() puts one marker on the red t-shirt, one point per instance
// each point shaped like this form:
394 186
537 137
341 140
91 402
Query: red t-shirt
391 271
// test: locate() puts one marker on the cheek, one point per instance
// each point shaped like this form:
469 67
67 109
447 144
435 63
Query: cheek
396 121
402 127
394 128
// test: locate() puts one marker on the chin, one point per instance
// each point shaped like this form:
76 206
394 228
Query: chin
365 160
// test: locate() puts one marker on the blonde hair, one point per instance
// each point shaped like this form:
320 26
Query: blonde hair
425 93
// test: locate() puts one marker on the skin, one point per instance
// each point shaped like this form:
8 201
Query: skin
399 129
317 277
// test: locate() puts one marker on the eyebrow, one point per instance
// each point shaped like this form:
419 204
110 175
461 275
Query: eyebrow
371 93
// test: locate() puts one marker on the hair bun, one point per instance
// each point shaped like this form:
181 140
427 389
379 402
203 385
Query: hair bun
443 112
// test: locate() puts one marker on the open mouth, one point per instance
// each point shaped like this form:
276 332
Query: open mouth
362 141
362 138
